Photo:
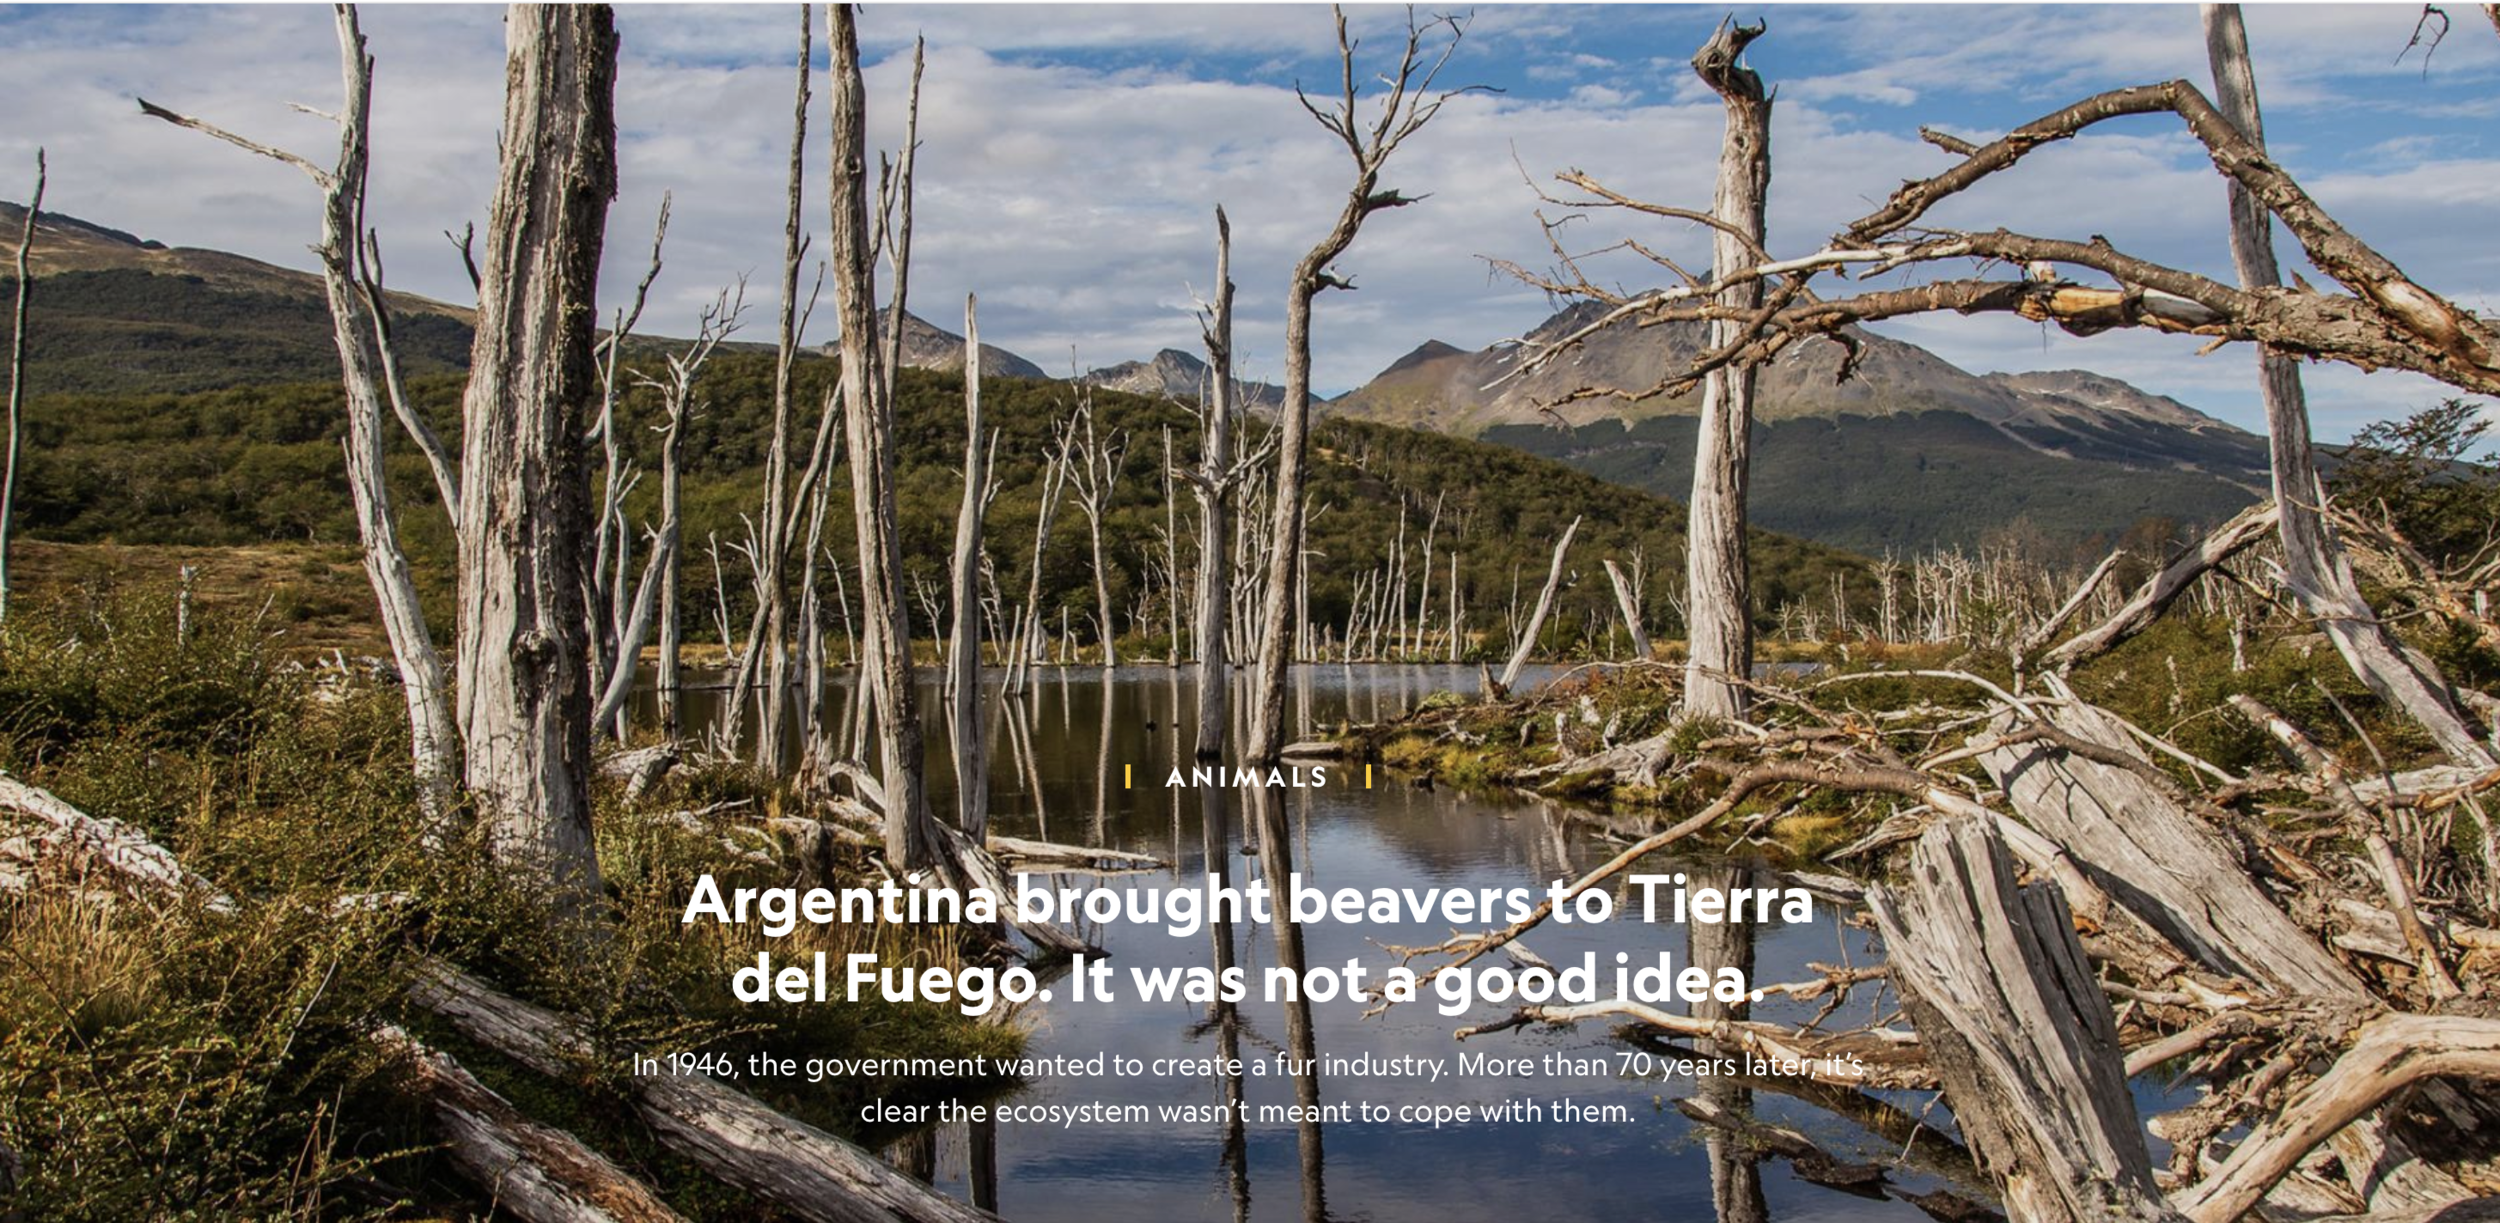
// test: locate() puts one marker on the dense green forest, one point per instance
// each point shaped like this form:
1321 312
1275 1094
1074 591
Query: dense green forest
259 464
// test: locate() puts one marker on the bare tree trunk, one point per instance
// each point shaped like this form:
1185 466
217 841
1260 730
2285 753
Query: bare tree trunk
910 841
972 762
1544 604
2011 1016
368 371
671 679
1094 467
2313 560
525 512
1215 483
1630 604
779 513
1409 104
1718 579
17 373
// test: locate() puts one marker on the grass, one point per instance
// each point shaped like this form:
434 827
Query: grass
159 1060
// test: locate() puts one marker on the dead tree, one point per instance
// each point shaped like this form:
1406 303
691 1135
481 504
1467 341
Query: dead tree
2314 564
1094 467
659 585
2381 318
611 598
779 510
1718 579
1628 601
1214 483
1028 637
17 373
1544 604
525 506
2010 1014
351 276
963 654
1408 105
911 840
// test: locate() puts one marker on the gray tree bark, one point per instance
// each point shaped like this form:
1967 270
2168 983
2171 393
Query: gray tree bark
1629 603
1544 605
368 372
779 514
2313 559
17 372
1408 105
1718 576
963 655
1214 484
868 420
525 510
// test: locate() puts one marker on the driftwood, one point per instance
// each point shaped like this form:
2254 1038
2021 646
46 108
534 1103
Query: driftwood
1047 854
2013 1020
534 1172
806 1172
96 840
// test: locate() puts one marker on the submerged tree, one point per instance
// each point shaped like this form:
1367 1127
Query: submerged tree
1409 104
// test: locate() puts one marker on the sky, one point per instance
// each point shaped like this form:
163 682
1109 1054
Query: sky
1071 156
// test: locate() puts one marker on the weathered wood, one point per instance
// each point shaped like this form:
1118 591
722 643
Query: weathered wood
1544 605
802 1170
2392 1053
1045 854
1718 587
2314 565
868 421
105 841
524 694
369 373
1214 484
963 651
534 1172
1407 105
2132 839
2158 591
17 373
2013 1020
1629 604
779 513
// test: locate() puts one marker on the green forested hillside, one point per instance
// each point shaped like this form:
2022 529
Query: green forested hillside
255 464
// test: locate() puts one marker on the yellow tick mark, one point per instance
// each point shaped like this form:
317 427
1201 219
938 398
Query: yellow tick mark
1126 781
1367 777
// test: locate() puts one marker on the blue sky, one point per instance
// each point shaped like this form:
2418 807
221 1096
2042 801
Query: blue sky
1071 154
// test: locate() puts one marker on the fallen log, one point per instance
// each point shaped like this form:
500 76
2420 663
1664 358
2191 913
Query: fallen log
2131 838
1022 852
2013 1021
539 1173
803 1170
2393 1053
641 768
2252 524
533 1172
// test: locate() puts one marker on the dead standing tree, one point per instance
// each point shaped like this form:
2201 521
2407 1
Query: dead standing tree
911 841
1216 481
525 506
2382 320
1718 573
1094 467
963 652
1408 105
17 373
351 276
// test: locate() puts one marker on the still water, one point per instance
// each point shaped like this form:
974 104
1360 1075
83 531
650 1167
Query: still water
1061 755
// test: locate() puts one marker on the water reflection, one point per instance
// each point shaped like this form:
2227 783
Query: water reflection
1082 756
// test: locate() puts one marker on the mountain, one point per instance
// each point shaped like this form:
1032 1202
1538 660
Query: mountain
115 313
1173 374
929 346
1911 453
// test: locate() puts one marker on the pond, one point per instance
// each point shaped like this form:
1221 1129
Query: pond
1082 757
